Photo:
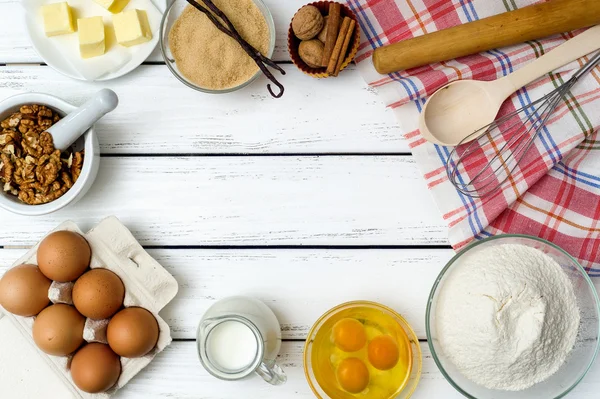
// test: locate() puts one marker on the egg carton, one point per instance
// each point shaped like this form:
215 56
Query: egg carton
27 372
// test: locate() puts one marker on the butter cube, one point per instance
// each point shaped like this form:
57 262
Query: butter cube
58 19
132 27
113 6
91 37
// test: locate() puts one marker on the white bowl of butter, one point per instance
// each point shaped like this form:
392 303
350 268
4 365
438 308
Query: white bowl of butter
92 54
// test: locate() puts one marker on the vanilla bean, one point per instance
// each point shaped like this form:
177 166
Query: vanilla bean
233 34
256 55
234 31
210 16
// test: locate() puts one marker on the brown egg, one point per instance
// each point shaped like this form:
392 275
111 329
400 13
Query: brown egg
95 368
58 330
132 332
98 294
63 256
24 290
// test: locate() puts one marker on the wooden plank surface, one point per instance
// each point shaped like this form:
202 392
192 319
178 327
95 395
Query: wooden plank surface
177 374
261 200
196 210
298 284
15 46
158 114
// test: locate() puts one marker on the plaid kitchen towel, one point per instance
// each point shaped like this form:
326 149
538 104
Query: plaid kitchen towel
555 193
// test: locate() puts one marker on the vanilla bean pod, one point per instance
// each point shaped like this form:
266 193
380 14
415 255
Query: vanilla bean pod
256 55
248 48
234 31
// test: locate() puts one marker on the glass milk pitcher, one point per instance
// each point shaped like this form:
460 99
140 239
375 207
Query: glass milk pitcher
238 336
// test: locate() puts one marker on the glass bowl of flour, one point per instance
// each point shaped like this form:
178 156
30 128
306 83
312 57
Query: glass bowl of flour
513 316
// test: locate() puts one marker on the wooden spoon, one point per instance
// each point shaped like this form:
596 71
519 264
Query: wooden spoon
462 107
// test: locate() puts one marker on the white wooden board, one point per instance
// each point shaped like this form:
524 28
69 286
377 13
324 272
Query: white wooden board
283 196
16 48
176 373
158 114
299 285
262 200
207 275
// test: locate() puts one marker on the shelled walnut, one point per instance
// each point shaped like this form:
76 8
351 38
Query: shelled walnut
30 167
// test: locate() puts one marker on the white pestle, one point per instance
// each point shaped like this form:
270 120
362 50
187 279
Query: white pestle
66 131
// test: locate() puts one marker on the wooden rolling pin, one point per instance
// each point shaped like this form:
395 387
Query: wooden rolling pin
528 23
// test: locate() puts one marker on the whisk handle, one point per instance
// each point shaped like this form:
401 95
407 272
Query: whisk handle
571 50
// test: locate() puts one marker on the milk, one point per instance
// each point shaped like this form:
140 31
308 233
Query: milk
238 336
231 346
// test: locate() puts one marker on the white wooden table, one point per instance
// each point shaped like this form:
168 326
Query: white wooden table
304 202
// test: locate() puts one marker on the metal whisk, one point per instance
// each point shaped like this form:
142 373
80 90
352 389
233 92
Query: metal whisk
508 138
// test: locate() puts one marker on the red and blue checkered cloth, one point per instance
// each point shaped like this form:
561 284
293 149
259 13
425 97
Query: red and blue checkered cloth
555 194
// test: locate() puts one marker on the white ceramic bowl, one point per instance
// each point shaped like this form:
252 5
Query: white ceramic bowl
88 142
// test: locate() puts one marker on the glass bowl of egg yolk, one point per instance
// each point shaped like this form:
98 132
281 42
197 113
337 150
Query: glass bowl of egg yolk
362 350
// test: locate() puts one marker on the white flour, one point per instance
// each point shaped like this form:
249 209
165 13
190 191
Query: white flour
507 317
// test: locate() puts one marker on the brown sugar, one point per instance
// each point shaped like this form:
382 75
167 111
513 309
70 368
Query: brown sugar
208 57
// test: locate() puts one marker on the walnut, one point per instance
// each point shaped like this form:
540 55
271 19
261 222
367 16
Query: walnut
45 112
30 144
45 118
29 109
7 169
10 136
64 176
311 52
323 34
48 168
76 165
24 170
56 191
28 173
307 23
12 121
30 167
27 196
26 125
47 143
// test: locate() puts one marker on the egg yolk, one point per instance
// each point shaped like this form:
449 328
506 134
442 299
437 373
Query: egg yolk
349 335
383 352
353 375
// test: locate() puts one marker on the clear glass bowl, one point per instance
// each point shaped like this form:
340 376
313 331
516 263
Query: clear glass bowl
169 18
415 374
579 360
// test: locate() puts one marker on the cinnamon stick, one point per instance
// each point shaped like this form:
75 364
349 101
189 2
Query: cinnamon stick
338 46
344 48
333 26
